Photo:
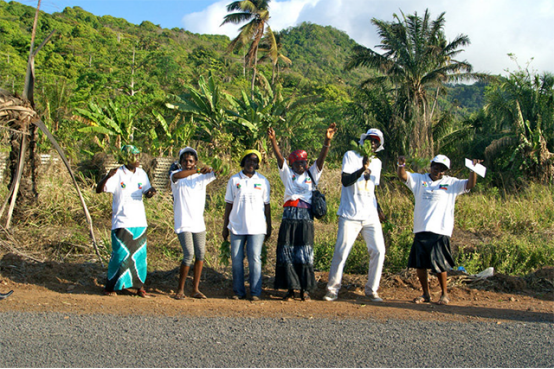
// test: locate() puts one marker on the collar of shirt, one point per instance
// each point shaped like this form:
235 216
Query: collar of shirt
244 176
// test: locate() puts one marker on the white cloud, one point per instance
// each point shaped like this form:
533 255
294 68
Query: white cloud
495 27
208 21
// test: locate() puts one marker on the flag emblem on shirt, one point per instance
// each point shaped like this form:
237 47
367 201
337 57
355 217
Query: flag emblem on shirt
238 185
257 186
123 185
140 186
308 180
443 187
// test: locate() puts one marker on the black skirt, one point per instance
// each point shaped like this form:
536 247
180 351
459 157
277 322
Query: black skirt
295 251
431 251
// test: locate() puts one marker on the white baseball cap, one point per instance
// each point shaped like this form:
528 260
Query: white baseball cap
188 149
441 159
375 133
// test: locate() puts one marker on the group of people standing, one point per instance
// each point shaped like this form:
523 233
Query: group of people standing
247 220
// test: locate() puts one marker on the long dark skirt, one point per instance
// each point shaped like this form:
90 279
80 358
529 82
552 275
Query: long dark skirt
431 251
295 251
127 267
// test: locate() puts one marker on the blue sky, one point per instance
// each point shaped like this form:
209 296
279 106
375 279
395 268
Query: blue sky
495 27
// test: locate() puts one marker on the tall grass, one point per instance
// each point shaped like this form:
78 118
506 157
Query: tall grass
511 232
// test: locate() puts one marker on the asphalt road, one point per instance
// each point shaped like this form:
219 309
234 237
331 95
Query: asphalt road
60 340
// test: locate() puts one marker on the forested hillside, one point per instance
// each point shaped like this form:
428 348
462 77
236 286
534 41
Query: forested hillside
102 81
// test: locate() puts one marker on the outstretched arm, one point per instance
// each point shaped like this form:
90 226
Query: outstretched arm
331 130
273 139
472 180
186 173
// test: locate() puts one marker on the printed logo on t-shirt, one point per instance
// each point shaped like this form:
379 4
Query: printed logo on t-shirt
140 186
425 184
443 187
257 186
308 180
294 177
238 186
123 185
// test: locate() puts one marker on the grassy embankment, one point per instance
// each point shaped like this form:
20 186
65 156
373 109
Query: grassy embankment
514 233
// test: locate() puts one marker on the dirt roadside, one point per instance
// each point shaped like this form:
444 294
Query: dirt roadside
76 289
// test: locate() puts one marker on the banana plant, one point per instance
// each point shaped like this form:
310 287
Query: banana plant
111 120
208 105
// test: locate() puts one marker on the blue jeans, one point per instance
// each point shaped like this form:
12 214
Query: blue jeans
253 244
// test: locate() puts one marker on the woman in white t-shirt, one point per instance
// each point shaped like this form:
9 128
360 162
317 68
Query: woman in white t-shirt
248 221
295 246
188 185
435 196
128 262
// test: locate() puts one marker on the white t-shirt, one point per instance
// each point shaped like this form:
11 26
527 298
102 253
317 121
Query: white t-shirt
189 201
127 189
298 186
358 202
248 196
434 202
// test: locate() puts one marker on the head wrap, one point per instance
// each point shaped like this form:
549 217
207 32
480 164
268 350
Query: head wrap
441 159
129 149
188 149
250 152
298 155
374 132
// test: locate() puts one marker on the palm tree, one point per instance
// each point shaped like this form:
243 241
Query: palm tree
417 59
271 45
519 115
256 13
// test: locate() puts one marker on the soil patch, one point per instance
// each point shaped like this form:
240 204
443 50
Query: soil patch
77 288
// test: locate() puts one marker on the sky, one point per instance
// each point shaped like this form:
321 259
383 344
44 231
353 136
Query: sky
524 28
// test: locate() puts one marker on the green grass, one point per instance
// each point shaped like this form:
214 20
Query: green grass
512 232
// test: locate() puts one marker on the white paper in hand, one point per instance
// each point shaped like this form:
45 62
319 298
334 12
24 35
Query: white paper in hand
479 169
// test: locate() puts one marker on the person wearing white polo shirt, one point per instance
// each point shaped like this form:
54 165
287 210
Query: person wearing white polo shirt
188 185
248 221
358 212
435 196
128 184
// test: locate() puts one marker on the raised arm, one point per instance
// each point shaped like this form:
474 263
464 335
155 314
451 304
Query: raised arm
472 180
273 139
331 130
401 170
102 183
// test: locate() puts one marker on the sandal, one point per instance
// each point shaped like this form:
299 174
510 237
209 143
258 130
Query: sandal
289 296
179 296
444 300
306 297
109 293
199 295
421 299
141 292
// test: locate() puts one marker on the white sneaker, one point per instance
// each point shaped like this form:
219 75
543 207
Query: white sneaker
373 297
330 296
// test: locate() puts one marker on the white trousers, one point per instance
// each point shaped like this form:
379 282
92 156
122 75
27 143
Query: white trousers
347 234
